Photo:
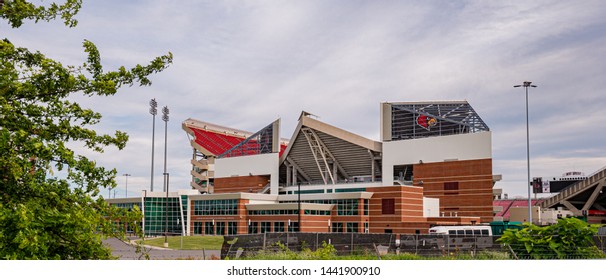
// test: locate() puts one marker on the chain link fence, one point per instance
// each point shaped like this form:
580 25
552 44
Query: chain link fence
429 246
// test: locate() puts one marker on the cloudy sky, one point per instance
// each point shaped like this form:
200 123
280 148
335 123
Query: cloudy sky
244 64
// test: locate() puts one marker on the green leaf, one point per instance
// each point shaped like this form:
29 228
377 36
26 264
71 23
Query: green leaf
43 217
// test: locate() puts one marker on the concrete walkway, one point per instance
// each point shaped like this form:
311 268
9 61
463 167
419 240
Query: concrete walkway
128 252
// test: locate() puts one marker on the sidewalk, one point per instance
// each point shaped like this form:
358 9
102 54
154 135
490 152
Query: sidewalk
128 252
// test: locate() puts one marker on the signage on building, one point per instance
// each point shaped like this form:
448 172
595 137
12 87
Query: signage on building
537 185
426 122
546 188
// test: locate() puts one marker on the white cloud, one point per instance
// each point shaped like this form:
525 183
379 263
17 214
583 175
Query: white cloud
244 64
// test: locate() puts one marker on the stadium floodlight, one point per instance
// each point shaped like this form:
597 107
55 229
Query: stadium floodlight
126 192
526 85
153 111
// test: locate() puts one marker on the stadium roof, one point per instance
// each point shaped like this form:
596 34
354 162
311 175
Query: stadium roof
323 154
412 120
216 140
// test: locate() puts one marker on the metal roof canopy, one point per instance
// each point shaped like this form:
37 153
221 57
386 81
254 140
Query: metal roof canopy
412 120
319 153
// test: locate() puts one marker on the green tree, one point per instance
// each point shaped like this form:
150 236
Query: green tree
570 238
43 216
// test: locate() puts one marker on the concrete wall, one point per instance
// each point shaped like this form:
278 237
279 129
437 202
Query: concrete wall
520 214
264 164
435 149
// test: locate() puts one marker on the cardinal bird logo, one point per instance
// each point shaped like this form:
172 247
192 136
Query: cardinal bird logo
426 121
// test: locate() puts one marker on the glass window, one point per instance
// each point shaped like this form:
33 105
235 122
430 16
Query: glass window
216 207
337 227
232 228
220 228
294 227
197 227
157 211
347 207
209 228
352 227
265 227
253 227
279 226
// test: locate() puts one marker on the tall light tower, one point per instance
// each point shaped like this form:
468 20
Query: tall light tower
165 119
152 110
526 85
126 192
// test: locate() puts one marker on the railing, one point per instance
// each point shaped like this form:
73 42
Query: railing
379 244
338 182
576 187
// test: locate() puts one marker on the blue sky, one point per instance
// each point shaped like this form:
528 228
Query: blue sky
244 64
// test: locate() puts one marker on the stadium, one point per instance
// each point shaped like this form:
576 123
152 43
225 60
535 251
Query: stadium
432 166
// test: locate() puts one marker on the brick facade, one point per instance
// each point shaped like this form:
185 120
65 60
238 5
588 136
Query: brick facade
247 184
407 216
463 187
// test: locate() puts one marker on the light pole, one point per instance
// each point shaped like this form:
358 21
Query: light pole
152 110
165 119
526 85
166 175
299 207
126 192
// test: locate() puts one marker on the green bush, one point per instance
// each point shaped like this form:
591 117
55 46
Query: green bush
570 238
280 251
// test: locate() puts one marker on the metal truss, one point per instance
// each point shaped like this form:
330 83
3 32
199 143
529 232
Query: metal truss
326 162
259 143
418 120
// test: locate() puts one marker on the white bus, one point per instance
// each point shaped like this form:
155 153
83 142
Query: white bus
462 230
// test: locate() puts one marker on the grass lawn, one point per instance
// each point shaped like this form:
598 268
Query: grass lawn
207 242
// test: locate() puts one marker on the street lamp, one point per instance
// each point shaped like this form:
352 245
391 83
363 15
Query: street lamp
152 110
526 85
126 192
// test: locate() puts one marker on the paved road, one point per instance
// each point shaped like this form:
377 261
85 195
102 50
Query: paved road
128 252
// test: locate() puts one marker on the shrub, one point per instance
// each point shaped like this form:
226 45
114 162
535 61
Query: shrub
570 238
